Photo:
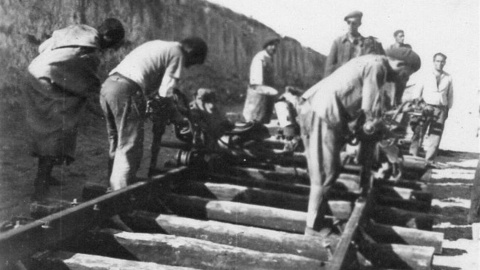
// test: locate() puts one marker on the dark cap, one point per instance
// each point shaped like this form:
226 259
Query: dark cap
407 55
354 14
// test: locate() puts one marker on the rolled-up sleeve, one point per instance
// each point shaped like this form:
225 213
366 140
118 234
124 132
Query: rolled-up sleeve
171 76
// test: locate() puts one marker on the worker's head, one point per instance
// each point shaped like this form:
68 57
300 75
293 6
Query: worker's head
206 99
195 51
111 33
403 62
354 20
271 46
399 36
439 61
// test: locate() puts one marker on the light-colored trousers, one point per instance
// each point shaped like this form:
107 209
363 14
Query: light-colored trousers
123 105
322 150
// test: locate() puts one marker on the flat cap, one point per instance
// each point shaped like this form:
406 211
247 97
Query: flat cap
407 55
354 14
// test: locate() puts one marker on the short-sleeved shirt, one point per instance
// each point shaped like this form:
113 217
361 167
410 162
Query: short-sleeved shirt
261 69
354 87
151 64
69 59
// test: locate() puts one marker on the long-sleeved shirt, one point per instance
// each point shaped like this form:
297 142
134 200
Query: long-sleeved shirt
440 94
69 60
155 66
353 88
261 69
343 49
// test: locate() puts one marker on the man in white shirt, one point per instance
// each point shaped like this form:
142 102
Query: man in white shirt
261 73
149 72
436 89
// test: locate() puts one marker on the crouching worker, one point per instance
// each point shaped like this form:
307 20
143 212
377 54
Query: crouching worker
286 110
351 92
207 122
64 75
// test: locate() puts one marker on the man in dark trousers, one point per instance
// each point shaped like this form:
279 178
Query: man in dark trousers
352 91
64 75
436 89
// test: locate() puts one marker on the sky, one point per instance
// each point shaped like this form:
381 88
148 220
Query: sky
448 26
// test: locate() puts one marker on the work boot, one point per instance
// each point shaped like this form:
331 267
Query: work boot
117 223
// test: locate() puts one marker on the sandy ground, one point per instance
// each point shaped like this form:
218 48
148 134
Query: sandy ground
450 185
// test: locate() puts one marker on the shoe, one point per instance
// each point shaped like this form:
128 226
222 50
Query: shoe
324 232
117 223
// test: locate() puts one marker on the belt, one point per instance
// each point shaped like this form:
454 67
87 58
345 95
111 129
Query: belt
120 76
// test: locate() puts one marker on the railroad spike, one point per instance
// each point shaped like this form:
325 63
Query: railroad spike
74 202
46 225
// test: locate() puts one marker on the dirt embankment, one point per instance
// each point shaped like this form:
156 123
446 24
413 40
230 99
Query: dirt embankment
233 40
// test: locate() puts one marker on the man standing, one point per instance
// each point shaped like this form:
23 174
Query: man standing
352 91
259 104
150 71
436 89
399 36
64 75
347 46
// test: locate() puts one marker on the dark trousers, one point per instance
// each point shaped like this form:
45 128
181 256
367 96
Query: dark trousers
432 131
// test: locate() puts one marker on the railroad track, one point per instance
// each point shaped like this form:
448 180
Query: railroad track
242 216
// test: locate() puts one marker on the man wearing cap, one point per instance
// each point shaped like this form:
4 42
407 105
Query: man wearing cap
436 89
64 75
262 73
355 89
150 72
399 36
347 46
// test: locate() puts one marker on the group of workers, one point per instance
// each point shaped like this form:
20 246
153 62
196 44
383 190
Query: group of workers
64 74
